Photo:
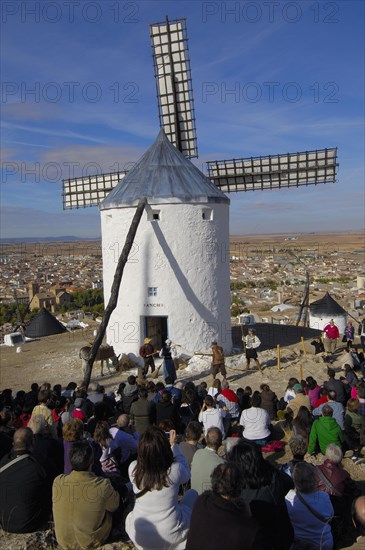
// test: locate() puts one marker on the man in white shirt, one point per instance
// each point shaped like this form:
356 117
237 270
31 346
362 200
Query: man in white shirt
211 416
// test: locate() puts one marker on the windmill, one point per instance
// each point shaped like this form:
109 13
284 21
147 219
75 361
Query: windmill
177 280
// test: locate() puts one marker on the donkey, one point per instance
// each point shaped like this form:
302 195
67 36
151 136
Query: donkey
105 352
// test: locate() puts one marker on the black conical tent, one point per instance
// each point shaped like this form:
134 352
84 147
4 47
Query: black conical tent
43 324
326 305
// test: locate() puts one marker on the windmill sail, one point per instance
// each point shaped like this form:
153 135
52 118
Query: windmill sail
274 171
174 84
89 190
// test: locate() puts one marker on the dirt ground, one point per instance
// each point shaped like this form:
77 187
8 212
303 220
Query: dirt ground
55 359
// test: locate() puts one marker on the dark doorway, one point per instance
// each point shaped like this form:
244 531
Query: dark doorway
156 328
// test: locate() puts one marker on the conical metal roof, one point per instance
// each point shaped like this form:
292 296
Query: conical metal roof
44 324
164 176
326 305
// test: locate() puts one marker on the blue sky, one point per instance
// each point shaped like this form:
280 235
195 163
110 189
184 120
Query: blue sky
78 87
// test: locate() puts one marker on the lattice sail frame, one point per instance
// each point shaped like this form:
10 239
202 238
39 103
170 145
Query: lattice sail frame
171 62
274 171
89 190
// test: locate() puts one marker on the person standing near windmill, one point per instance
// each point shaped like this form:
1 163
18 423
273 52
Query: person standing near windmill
252 342
168 353
218 360
331 335
147 352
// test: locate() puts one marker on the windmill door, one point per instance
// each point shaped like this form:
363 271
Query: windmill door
156 329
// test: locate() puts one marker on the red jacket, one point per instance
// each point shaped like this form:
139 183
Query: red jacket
331 331
230 395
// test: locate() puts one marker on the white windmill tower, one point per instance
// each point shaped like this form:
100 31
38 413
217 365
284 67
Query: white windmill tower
176 283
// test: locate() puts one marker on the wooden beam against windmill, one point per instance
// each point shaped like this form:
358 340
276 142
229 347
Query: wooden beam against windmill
112 304
303 314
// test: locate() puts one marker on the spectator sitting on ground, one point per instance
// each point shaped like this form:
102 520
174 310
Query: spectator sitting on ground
210 416
360 390
221 520
289 392
100 413
202 391
215 388
334 479
302 423
354 431
333 384
358 518
130 394
298 448
324 431
77 411
323 398
189 408
72 431
338 409
351 378
300 400
109 463
125 439
175 390
229 400
269 400
264 491
31 398
336 482
167 410
95 395
205 460
43 399
312 390
191 444
70 390
318 346
142 412
308 526
158 520
256 422
83 503
346 358
46 449
244 397
25 495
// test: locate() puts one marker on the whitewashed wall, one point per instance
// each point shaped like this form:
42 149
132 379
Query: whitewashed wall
187 259
320 322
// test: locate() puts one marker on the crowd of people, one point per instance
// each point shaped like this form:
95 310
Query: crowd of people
181 466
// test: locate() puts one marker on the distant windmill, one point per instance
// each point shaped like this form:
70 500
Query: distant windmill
176 283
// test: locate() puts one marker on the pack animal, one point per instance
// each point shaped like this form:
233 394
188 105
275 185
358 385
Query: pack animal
105 353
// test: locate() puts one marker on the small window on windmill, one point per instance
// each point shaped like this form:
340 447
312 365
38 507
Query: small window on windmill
153 215
152 291
207 214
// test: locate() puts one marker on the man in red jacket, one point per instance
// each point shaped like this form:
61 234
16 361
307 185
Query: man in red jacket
331 334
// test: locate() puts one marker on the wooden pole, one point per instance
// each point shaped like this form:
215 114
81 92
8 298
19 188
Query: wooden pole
303 346
278 353
113 300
